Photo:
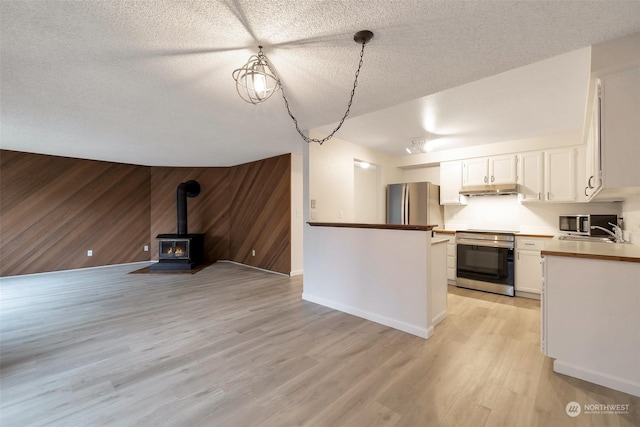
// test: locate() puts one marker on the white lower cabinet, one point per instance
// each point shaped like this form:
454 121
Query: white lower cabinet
451 256
590 318
528 268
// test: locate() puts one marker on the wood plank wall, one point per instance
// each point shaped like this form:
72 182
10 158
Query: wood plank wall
261 214
207 213
54 209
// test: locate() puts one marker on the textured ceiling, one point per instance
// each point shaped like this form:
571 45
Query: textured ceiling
149 82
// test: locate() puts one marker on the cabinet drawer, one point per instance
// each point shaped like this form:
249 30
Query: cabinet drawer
451 262
451 250
530 244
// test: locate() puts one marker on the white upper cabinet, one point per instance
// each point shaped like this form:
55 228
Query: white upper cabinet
490 170
548 176
613 138
593 170
450 183
531 177
475 171
503 169
560 175
620 131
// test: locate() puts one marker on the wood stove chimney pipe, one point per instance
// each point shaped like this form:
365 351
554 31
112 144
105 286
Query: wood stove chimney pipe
190 188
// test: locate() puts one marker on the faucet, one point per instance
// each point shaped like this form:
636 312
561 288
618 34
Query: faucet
616 233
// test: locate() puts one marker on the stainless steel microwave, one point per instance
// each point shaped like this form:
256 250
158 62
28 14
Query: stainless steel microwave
581 224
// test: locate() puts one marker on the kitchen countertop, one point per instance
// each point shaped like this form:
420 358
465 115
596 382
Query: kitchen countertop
377 226
443 231
593 250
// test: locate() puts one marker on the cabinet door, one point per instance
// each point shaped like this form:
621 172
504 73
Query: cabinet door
528 277
450 183
593 155
503 169
560 175
475 172
621 129
531 177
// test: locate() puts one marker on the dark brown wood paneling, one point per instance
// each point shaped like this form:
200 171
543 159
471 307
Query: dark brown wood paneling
207 213
53 209
260 216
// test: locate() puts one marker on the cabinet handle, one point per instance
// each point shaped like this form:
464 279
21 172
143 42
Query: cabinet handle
548 196
485 179
492 178
589 182
585 191
539 196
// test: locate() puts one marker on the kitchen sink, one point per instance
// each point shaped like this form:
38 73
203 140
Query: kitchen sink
586 239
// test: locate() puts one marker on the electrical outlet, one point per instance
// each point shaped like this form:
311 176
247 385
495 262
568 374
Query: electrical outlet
313 203
90 252
253 252
146 248
340 213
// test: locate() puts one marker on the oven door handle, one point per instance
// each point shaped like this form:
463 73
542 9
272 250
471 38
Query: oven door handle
485 243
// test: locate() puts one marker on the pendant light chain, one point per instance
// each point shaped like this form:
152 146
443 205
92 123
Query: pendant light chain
353 91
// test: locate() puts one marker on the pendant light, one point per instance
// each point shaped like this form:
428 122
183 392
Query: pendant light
256 82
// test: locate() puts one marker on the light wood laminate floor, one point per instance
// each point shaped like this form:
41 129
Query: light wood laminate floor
233 346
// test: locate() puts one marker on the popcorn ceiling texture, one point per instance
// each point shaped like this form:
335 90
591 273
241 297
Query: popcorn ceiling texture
150 82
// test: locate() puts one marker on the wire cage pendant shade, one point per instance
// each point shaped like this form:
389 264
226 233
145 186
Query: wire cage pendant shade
255 81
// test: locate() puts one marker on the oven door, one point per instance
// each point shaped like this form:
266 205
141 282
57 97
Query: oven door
485 264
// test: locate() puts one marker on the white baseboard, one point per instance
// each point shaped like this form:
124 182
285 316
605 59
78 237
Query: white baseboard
439 317
83 269
392 323
616 383
251 266
296 273
529 295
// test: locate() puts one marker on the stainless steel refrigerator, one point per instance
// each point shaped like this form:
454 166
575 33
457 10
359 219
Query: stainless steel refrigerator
414 203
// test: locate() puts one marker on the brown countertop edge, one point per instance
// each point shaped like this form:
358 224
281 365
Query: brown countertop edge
546 236
376 226
590 256
441 231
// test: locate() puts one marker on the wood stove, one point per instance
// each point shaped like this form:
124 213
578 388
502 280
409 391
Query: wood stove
181 251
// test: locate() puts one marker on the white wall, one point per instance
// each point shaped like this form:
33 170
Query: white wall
297 223
366 195
631 215
331 179
507 213
429 174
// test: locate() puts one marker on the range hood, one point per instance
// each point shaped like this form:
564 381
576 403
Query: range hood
489 190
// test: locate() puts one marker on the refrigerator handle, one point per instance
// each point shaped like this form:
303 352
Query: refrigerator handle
402 197
405 217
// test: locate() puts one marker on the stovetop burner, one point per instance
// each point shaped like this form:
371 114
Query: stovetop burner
489 231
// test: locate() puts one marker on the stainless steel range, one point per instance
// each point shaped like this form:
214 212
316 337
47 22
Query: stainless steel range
485 261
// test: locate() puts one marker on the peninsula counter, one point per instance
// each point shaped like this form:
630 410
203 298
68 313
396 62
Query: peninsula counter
394 275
